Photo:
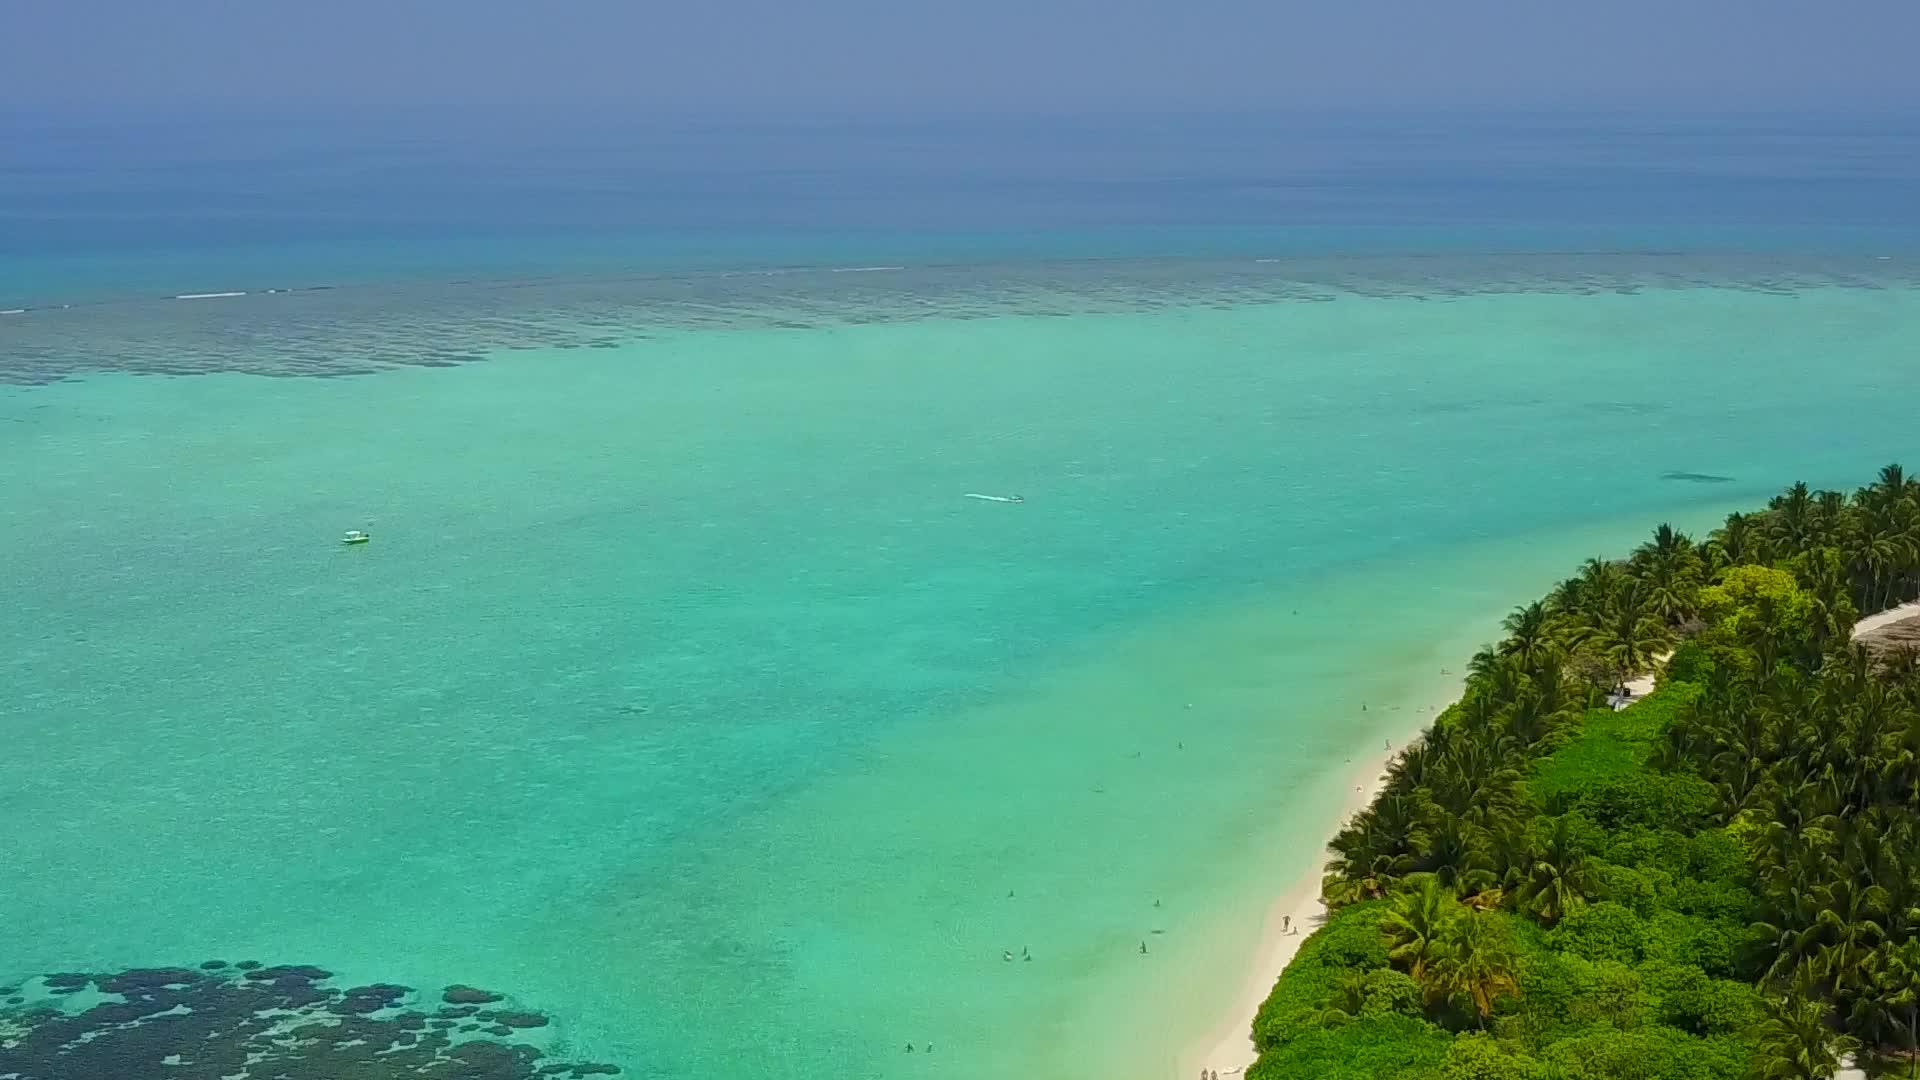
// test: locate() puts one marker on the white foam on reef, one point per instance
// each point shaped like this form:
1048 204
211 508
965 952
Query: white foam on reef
207 295
864 269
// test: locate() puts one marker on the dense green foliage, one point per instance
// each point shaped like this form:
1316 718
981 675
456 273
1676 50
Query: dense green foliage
1721 881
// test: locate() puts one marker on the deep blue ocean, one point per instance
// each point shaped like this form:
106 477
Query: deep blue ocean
92 208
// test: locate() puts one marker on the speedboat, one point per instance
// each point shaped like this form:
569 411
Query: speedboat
355 536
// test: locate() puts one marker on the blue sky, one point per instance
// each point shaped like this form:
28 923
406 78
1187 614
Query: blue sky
826 57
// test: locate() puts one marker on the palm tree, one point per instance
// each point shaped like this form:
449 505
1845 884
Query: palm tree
1667 544
1887 551
1848 929
1903 521
1890 1004
1891 486
1823 574
1670 555
1557 879
1349 1000
1484 663
1791 524
1795 1043
1787 940
1831 520
1529 633
1477 962
1497 686
1599 580
1672 591
1533 719
1417 919
1739 542
1897 996
1456 855
1368 855
1627 634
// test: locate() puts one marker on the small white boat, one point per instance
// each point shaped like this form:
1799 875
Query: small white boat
355 536
994 498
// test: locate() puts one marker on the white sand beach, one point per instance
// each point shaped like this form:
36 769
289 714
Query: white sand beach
1297 913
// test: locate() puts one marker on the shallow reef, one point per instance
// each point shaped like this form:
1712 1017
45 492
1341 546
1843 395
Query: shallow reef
250 1022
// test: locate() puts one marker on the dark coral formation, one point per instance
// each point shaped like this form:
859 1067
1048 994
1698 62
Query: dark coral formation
324 331
263 1023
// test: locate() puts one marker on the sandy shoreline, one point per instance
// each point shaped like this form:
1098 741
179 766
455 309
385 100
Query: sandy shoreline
1229 1049
1886 618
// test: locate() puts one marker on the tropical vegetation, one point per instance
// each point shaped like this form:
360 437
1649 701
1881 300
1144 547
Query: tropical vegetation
1719 881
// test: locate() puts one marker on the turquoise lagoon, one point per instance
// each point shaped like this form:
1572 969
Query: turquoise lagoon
684 695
